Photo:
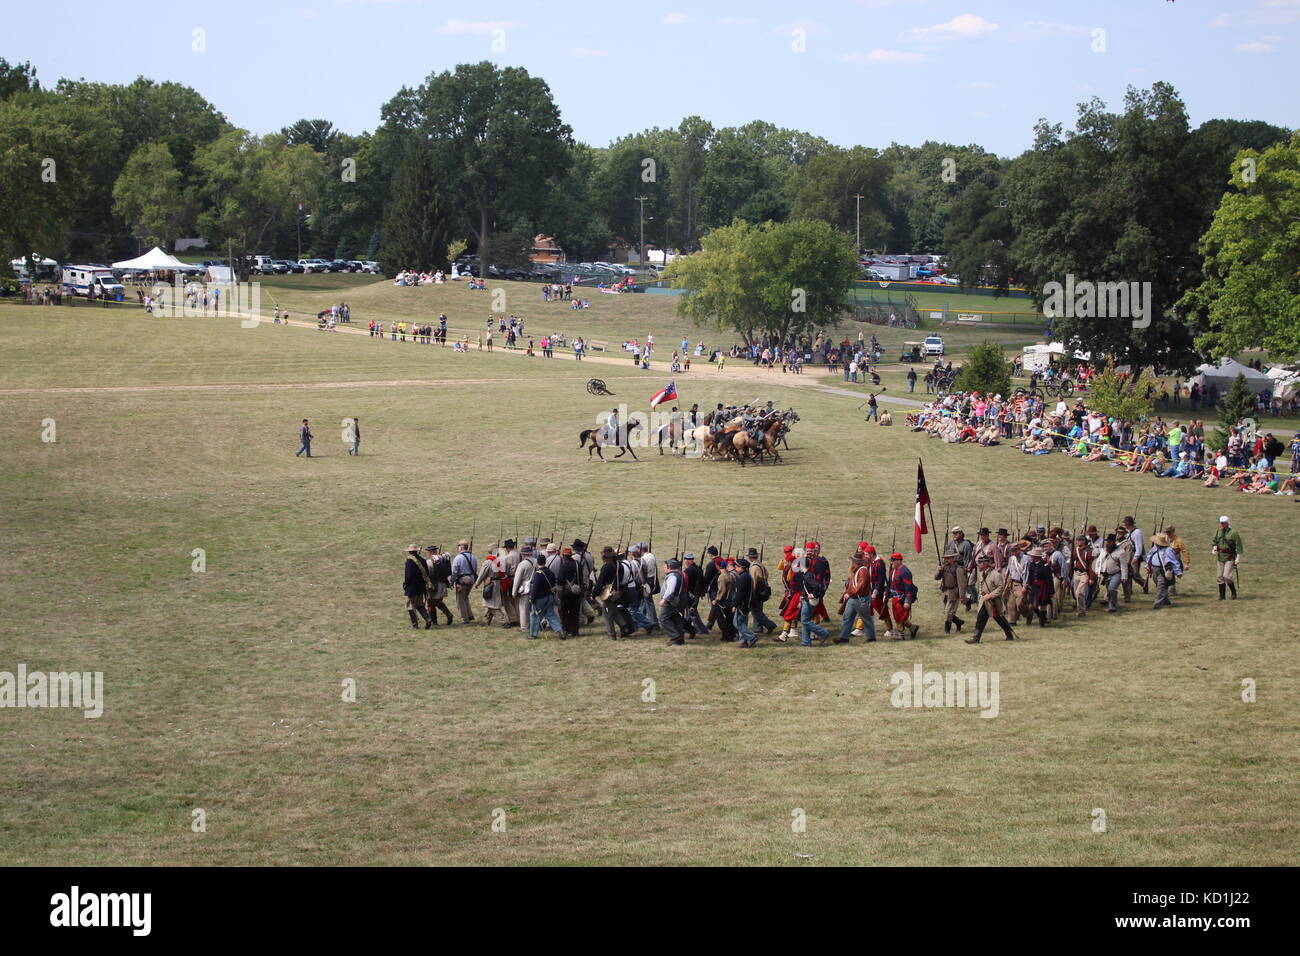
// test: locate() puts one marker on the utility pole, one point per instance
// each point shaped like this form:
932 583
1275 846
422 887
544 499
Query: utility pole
858 222
640 256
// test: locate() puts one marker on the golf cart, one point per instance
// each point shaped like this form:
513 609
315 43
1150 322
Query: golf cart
911 352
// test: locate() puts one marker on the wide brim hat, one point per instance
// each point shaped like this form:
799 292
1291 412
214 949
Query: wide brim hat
413 549
1160 540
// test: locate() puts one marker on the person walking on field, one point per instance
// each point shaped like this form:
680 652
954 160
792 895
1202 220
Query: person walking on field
415 585
304 433
356 436
1228 548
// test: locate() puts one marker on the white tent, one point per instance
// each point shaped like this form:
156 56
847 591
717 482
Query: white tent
1225 373
1039 357
155 260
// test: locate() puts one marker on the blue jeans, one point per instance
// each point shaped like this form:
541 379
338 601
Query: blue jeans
761 619
808 625
304 447
356 448
740 620
852 609
544 607
911 385
648 610
639 619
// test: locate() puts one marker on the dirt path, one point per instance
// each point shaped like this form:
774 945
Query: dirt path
741 371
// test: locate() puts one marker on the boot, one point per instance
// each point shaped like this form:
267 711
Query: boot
974 638
414 623
947 627
1233 588
959 622
1222 589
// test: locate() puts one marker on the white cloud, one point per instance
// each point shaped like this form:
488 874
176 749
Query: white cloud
1257 46
586 51
463 27
676 19
966 25
883 56
1222 20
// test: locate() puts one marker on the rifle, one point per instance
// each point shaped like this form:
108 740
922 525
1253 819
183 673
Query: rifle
730 542
677 548
707 535
721 553
650 540
947 513
591 530
873 532
760 548
893 541
471 535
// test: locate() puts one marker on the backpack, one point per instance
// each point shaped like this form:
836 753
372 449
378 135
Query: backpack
682 596
762 591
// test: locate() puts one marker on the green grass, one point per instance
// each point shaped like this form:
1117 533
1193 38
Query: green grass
223 688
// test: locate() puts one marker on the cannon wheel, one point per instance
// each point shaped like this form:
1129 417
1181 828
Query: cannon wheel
597 387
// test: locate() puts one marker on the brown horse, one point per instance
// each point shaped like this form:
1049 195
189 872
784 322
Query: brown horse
597 439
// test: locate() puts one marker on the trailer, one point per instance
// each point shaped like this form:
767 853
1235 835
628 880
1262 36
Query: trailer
98 281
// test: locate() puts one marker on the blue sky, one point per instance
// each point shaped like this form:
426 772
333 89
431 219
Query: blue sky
870 72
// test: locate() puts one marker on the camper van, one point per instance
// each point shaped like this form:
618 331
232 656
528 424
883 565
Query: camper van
80 280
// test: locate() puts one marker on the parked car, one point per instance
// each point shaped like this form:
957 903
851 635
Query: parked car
368 266
934 345
950 280
314 265
289 265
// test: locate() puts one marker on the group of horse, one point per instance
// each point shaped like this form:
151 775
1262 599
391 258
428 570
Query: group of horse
740 437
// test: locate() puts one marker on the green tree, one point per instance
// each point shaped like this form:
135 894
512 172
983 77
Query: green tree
50 152
985 370
1237 404
16 78
1250 295
1128 398
149 197
319 134
498 139
827 187
978 238
416 227
785 279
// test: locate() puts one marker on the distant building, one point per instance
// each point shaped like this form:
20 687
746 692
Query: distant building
546 251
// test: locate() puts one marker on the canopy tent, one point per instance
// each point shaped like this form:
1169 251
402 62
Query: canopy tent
1039 357
1222 376
1286 381
155 260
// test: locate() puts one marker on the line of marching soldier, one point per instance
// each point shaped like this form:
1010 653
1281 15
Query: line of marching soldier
543 585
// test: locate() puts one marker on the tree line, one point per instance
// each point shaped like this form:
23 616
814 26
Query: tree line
480 156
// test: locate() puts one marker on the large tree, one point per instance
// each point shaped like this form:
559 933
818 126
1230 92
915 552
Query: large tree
1250 295
150 198
1112 202
784 279
498 139
827 187
415 219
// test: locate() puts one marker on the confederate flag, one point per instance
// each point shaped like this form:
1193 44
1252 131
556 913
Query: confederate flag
919 529
669 394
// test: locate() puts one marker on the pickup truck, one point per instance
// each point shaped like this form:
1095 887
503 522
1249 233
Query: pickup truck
314 265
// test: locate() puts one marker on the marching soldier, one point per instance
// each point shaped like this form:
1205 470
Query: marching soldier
902 595
762 592
965 558
1163 565
1129 557
855 613
586 576
1017 581
415 585
509 565
1228 548
1111 567
489 579
878 582
1180 549
1040 585
1139 550
1085 575
674 598
695 590
990 585
952 586
523 583
439 577
464 571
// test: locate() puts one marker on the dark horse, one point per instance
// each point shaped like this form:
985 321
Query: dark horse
595 437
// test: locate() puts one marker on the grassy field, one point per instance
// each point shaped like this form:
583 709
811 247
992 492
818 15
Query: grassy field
223 688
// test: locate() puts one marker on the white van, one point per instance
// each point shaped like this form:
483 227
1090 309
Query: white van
80 280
